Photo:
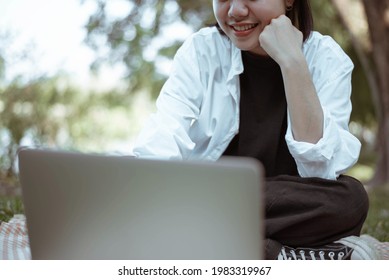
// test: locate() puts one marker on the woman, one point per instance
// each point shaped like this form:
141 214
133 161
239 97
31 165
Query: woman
262 84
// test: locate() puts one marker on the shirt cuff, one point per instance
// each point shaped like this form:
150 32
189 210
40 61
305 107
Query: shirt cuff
315 160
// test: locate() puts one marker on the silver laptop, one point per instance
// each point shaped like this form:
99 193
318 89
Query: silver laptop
90 206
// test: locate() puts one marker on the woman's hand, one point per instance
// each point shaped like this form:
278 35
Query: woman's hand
281 40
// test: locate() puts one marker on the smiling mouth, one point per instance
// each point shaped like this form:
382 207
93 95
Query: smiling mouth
245 27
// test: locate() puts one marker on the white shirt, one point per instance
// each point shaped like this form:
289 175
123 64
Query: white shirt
198 107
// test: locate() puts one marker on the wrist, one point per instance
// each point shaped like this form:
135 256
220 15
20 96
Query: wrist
293 62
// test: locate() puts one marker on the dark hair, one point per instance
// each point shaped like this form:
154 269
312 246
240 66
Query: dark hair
300 15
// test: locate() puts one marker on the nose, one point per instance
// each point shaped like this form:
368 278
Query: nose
238 9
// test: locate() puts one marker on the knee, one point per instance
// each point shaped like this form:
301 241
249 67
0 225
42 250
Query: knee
353 203
357 198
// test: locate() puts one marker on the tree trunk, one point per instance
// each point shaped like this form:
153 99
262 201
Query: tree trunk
341 6
377 12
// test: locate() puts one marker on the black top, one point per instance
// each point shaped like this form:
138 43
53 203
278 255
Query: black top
263 116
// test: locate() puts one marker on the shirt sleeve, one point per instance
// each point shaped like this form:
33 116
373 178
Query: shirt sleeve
165 133
338 149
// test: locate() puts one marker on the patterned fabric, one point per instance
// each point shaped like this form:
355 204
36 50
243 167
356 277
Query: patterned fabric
14 244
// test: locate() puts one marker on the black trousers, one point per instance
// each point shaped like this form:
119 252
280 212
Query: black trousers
311 212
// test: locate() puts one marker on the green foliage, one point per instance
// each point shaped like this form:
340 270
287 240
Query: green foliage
132 37
49 112
2 67
361 98
37 110
9 206
326 21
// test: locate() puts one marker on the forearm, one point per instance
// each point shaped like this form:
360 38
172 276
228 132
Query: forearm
305 111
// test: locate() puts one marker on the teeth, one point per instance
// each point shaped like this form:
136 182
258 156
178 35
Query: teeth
244 27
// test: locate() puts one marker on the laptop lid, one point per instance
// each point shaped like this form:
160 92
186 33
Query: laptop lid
89 206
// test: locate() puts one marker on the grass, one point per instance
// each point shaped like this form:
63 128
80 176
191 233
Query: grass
377 221
9 206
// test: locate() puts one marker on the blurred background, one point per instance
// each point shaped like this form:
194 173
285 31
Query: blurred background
84 74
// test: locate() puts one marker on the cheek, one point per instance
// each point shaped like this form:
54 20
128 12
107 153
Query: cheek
267 13
220 11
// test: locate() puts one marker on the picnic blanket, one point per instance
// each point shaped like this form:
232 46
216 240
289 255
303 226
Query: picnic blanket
14 243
